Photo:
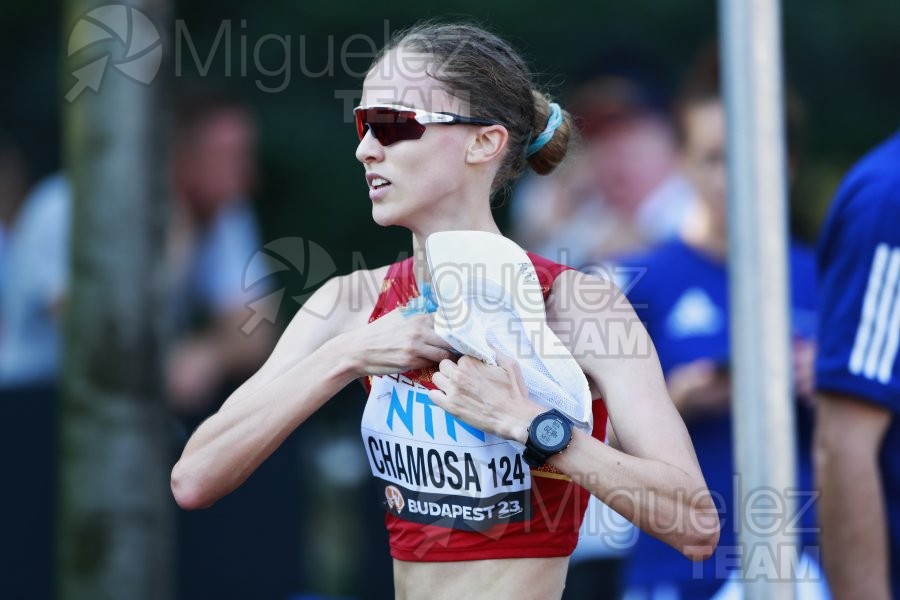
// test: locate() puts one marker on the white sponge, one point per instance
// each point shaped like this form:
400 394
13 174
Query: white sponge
488 294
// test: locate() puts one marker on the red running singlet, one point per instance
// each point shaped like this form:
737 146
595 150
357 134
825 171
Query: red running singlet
453 492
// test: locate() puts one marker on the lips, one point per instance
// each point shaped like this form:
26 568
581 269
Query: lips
378 186
376 181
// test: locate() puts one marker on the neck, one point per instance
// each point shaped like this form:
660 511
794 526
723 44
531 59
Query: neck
705 234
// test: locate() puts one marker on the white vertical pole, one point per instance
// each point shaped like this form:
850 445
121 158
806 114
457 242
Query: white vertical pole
762 413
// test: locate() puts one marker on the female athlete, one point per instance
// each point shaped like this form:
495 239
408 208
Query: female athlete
448 116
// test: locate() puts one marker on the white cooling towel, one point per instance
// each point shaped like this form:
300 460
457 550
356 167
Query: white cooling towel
488 293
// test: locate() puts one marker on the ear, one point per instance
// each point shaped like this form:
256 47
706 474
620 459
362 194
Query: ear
488 143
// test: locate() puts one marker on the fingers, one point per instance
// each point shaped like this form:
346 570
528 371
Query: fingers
703 369
506 361
438 355
423 325
447 367
804 354
462 376
448 378
433 339
438 397
511 366
441 381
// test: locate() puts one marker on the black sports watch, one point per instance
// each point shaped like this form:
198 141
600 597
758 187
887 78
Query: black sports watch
548 434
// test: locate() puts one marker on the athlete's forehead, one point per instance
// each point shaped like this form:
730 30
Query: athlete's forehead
403 77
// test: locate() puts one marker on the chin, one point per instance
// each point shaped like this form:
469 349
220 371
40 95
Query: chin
386 217
382 222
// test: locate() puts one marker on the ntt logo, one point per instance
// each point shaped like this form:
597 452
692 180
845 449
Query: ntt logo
115 35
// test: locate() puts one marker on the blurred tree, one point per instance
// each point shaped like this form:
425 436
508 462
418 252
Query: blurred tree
115 513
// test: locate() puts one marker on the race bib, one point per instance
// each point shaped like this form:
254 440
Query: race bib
436 469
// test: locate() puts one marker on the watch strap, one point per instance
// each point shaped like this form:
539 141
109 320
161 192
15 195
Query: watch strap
532 457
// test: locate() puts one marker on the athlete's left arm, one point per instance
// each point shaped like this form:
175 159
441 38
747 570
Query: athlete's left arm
654 481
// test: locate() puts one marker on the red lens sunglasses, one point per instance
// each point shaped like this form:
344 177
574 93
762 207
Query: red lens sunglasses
391 123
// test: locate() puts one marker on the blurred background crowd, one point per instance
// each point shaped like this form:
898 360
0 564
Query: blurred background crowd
260 163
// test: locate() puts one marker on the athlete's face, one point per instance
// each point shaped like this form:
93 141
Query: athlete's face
703 155
424 176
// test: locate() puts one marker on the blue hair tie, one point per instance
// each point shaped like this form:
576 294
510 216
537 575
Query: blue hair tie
553 122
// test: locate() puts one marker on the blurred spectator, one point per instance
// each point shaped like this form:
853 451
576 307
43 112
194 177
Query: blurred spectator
34 273
28 287
211 239
858 377
31 274
622 191
248 545
213 236
680 291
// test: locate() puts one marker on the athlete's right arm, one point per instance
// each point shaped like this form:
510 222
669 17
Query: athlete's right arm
327 345
848 439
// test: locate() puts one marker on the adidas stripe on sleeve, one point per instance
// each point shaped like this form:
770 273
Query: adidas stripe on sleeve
859 270
878 333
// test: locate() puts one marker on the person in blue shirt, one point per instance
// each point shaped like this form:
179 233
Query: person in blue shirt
857 435
680 292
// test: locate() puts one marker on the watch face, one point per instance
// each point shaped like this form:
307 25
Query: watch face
550 433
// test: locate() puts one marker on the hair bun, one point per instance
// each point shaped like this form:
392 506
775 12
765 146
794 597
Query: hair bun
552 153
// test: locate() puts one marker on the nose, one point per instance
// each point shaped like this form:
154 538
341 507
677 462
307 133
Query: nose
369 149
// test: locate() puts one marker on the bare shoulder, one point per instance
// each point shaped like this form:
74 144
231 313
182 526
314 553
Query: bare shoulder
341 304
594 320
585 295
344 302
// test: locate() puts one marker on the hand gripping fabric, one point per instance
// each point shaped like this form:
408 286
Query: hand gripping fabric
489 296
